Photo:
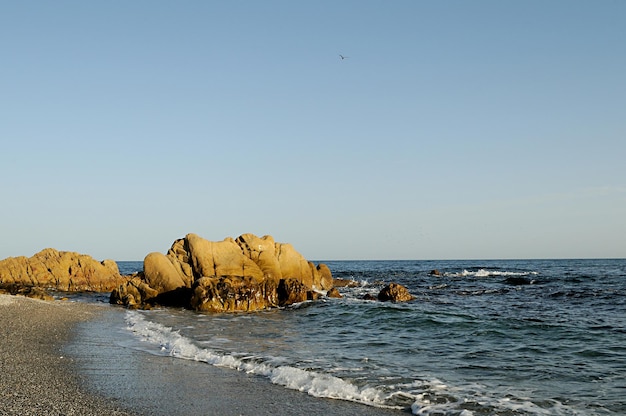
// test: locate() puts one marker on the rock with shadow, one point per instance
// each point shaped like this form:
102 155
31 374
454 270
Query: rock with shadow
248 273
395 292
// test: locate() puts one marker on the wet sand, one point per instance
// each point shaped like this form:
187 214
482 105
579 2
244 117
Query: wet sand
67 358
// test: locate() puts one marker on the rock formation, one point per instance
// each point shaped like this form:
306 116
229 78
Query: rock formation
244 274
60 270
26 291
395 293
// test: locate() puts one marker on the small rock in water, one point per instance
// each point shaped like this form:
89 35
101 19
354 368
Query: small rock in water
395 293
334 293
345 283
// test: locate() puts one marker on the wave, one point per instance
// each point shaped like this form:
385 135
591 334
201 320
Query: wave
171 343
422 397
488 273
415 388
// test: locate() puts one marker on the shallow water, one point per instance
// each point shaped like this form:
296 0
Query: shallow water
110 365
483 338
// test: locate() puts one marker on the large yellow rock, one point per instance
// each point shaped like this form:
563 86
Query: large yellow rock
324 278
160 274
61 270
262 251
242 274
222 258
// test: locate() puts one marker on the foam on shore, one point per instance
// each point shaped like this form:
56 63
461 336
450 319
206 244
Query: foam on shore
172 343
106 356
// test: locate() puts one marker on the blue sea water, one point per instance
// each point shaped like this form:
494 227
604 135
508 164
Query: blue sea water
511 337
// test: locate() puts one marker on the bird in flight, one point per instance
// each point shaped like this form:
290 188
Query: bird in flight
343 57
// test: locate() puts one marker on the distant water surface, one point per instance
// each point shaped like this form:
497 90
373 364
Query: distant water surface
510 337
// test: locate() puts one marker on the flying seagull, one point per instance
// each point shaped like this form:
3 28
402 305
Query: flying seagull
343 57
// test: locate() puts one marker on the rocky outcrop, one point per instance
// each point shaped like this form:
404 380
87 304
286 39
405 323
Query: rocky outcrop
394 292
244 274
27 291
60 270
345 283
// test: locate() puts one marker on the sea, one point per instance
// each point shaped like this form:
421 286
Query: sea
488 337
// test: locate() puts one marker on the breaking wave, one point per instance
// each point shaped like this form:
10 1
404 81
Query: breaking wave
489 273
480 338
171 343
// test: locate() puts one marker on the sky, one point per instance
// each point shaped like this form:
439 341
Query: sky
452 130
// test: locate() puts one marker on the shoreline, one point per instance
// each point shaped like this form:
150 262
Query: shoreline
60 357
36 376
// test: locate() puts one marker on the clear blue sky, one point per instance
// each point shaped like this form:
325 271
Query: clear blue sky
453 130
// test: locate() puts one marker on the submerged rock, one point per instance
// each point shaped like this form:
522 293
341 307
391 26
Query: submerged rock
244 274
518 281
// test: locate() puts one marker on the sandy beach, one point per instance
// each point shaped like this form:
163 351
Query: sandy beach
62 358
36 377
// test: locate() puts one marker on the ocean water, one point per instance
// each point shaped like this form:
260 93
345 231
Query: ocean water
525 337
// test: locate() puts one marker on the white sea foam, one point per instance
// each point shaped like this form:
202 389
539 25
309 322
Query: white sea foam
434 397
488 273
431 403
170 342
426 397
438 287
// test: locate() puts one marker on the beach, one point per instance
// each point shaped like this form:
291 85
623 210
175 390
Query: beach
482 337
36 377
61 358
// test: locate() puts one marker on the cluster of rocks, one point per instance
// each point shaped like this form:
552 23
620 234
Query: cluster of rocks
58 270
248 273
392 292
244 274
